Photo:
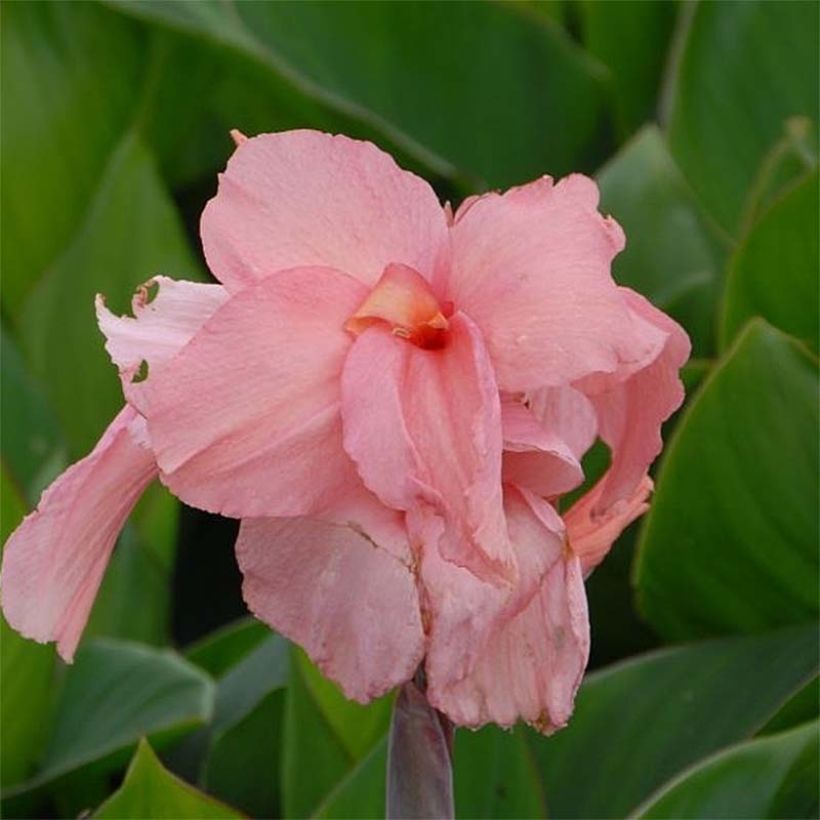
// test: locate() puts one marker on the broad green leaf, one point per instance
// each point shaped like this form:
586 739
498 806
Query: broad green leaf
641 722
673 254
449 83
243 761
130 232
789 160
70 75
27 672
749 780
746 68
361 792
35 453
773 273
324 737
218 652
496 775
115 693
730 542
802 707
150 790
631 38
250 675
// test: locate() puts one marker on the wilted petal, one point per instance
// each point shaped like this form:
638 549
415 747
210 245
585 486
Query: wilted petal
531 267
531 667
591 533
335 590
54 561
305 198
162 324
424 428
245 420
631 410
530 664
465 611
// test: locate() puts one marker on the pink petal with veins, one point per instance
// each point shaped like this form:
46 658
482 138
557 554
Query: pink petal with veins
54 561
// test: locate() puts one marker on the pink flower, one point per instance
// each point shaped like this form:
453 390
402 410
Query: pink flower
393 400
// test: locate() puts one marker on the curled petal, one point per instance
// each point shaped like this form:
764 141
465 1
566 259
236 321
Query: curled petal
303 198
334 589
535 456
162 324
631 407
424 428
54 561
245 419
591 533
531 267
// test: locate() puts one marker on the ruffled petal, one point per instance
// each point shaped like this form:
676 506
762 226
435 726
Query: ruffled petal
163 323
424 428
54 561
245 419
632 408
535 455
339 593
463 611
303 198
532 666
531 267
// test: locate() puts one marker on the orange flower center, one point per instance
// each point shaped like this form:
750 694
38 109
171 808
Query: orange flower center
402 299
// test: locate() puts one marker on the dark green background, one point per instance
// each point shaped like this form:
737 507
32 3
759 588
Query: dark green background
699 121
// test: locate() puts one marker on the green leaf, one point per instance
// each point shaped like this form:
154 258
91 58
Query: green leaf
324 737
243 762
451 84
496 775
748 780
130 232
802 707
730 543
115 693
673 255
244 736
746 68
221 650
149 790
641 722
361 792
35 453
773 273
631 39
65 105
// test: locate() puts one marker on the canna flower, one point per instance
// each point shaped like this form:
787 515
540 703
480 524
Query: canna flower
394 399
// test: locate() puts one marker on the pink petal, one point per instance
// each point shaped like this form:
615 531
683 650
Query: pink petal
532 268
464 611
535 456
424 429
303 198
338 592
568 414
245 419
591 533
161 326
54 561
532 666
631 409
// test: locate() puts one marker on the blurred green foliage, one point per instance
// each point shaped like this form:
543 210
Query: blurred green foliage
700 121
